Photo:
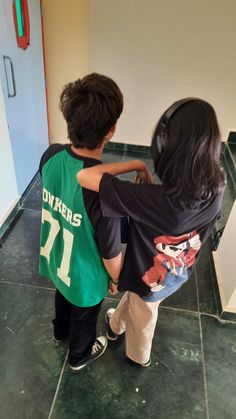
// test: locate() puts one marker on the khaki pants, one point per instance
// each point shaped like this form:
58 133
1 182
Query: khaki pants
137 319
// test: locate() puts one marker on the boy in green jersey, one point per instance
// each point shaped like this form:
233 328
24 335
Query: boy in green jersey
80 249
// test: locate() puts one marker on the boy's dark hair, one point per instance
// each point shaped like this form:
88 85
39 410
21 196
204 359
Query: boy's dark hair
91 106
189 164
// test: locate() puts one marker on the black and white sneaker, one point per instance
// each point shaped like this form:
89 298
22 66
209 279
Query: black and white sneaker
98 349
144 365
109 333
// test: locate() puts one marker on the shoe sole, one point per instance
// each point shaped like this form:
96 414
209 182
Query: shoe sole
56 340
89 362
146 365
111 338
78 368
138 364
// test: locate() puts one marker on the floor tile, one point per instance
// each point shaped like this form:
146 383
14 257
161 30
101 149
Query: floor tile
228 201
232 148
172 387
9 222
205 282
185 298
226 315
33 198
229 158
219 343
19 252
30 363
115 297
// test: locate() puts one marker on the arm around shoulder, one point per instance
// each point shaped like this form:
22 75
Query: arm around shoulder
90 178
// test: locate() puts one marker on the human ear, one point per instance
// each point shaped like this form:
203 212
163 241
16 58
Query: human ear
110 133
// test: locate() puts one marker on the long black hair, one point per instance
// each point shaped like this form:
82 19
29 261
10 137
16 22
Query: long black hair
189 161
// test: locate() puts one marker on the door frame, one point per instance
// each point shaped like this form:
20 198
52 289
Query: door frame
45 67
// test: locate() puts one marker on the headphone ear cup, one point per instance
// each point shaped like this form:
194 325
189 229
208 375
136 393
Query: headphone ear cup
157 146
160 142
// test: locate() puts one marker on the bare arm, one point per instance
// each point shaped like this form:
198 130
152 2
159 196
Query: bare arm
90 178
113 267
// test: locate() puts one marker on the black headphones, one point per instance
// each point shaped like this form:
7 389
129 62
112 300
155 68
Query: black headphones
159 138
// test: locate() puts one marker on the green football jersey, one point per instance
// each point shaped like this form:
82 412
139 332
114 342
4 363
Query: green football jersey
69 254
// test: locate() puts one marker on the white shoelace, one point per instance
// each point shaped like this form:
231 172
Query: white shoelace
96 347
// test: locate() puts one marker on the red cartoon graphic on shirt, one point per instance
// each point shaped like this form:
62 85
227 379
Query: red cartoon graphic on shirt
174 256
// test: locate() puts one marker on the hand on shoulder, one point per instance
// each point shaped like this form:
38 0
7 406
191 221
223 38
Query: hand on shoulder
143 175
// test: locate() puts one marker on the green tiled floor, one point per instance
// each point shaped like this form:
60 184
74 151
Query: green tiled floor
30 364
192 375
115 389
219 344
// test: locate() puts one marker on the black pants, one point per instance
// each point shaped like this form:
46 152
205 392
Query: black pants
76 323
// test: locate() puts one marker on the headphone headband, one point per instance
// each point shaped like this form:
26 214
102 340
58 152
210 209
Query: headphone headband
173 108
159 143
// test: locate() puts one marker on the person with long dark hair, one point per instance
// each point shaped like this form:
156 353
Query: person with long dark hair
169 221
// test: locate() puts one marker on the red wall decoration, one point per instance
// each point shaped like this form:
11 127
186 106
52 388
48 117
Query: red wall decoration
21 23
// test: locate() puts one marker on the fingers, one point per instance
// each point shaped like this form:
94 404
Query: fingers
136 179
143 177
149 179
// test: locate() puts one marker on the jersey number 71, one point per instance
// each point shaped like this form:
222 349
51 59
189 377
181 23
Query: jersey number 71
63 269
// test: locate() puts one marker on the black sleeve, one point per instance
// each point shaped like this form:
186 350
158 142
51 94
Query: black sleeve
121 198
108 230
51 150
108 234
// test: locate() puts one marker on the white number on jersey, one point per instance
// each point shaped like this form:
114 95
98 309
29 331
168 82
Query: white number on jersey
63 270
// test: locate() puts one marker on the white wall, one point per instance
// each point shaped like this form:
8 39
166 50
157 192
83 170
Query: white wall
225 264
66 48
159 51
8 188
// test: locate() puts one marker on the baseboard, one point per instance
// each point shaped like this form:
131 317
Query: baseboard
12 212
232 137
226 312
10 216
127 147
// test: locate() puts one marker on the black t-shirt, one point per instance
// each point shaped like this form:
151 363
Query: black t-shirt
165 235
107 230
